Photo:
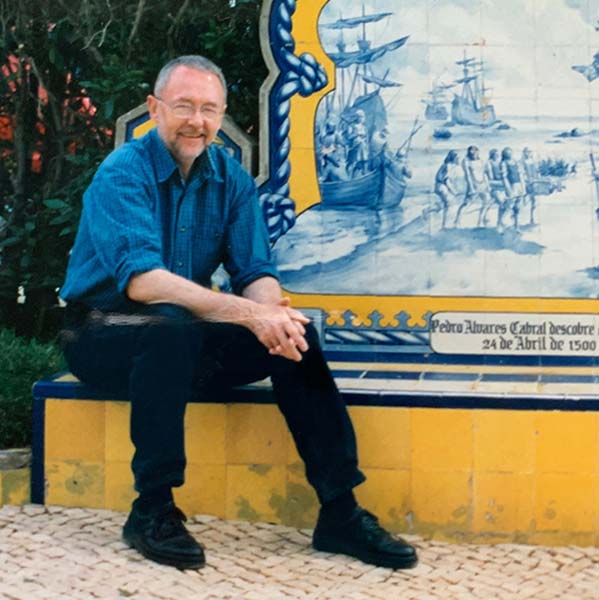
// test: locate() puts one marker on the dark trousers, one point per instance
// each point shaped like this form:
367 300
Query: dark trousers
163 358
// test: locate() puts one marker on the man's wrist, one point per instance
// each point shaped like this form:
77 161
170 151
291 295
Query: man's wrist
233 309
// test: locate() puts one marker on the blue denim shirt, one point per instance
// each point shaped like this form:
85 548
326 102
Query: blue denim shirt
138 215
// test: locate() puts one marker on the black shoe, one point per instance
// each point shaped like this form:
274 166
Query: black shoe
362 537
161 536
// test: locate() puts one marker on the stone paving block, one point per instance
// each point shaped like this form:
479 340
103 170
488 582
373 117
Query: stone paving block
71 554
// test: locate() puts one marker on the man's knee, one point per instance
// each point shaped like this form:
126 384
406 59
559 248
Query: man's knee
166 334
312 336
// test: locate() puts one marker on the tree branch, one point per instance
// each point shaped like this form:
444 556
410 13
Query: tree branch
138 15
178 18
101 32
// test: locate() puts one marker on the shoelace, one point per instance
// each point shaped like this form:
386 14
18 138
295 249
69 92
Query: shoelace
169 523
371 526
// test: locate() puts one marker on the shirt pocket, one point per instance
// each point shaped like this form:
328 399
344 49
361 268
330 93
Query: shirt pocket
207 251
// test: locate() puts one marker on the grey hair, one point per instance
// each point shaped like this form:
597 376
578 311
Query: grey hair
193 61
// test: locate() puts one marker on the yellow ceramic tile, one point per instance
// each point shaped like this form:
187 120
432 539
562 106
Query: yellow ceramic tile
565 502
292 453
441 439
303 181
74 430
254 492
256 433
567 442
305 19
387 494
441 500
383 437
205 426
300 506
504 441
118 439
119 491
489 539
15 486
560 538
503 502
75 483
302 137
204 491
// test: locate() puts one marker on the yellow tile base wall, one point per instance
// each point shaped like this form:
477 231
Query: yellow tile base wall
15 486
457 475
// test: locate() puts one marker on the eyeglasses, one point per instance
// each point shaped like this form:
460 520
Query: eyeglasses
186 111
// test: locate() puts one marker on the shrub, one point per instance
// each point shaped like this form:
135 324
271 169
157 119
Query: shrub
22 362
67 71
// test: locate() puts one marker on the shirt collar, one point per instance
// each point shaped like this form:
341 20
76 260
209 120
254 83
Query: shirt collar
205 165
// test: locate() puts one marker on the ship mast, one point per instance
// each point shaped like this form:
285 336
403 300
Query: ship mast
357 63
469 95
364 42
341 48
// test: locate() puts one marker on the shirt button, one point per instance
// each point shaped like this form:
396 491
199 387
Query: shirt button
180 263
183 228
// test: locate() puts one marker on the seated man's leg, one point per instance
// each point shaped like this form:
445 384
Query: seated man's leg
308 398
322 430
149 355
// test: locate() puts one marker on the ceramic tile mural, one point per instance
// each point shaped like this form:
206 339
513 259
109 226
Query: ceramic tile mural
436 158
429 174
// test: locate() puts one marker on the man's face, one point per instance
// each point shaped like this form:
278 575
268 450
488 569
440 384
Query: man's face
186 137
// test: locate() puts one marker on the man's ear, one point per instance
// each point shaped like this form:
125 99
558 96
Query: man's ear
152 103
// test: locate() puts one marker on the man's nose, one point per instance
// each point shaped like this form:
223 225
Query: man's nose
198 117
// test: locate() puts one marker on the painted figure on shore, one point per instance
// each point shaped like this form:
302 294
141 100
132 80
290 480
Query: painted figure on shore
530 171
513 183
496 188
444 185
477 185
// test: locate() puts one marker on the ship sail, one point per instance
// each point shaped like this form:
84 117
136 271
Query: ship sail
380 81
366 55
356 21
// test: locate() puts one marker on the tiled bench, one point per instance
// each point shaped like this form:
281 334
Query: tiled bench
476 452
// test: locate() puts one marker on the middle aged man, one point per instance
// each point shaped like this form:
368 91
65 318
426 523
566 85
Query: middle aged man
159 217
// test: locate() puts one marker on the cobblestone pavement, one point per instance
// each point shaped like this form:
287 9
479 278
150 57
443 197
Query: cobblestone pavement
69 553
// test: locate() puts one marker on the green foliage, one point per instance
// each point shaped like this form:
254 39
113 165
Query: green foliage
69 70
23 362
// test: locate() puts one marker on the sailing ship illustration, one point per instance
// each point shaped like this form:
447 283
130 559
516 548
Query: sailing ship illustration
471 106
355 164
436 102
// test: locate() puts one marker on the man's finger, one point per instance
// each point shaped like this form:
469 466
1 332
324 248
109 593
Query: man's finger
289 353
296 315
300 327
296 336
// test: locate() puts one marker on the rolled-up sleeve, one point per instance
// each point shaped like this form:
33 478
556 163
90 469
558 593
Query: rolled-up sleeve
121 222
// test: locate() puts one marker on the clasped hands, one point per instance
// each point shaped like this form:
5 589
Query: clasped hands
281 329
